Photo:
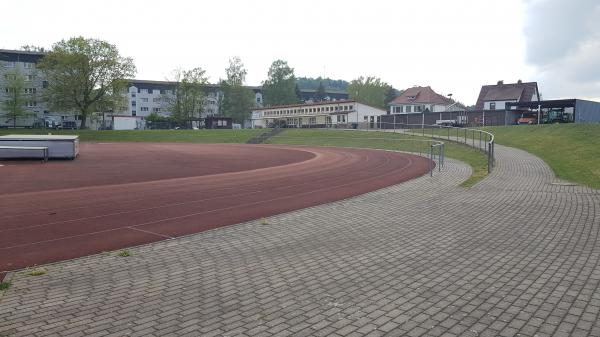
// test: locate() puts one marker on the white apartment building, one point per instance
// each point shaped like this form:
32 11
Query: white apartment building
144 97
343 113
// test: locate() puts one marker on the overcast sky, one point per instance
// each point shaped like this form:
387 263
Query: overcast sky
454 46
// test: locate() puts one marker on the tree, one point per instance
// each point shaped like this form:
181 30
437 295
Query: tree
320 93
189 93
370 90
391 94
84 74
15 97
298 94
237 100
279 88
33 48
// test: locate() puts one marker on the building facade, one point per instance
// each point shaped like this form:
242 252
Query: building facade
13 64
342 113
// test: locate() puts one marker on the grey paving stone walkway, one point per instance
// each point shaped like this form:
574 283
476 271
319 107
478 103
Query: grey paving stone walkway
516 255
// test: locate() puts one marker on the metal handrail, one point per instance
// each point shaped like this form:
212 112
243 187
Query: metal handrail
428 151
479 139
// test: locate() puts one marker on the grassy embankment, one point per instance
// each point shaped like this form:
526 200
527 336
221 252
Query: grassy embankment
571 150
386 141
191 136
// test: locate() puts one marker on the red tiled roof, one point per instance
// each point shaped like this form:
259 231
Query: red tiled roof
521 92
421 95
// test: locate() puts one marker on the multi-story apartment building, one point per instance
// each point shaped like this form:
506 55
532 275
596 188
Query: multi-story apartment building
144 97
343 113
13 64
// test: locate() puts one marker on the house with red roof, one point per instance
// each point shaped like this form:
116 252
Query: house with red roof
422 99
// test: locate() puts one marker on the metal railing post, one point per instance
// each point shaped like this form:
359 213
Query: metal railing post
431 160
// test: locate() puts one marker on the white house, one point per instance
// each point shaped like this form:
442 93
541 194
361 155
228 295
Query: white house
416 100
343 113
495 97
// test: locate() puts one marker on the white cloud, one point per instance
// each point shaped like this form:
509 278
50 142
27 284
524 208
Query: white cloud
453 46
563 43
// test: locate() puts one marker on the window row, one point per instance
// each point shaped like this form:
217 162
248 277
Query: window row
12 64
408 108
25 90
309 110
13 77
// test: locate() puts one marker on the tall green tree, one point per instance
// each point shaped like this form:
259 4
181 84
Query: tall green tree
298 93
84 74
370 90
237 100
15 97
391 94
279 88
189 94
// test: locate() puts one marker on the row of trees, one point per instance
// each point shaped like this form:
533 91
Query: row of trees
89 75
281 88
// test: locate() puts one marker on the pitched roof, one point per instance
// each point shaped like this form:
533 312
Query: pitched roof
521 92
421 95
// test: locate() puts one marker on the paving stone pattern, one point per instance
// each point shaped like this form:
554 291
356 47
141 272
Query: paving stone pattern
516 255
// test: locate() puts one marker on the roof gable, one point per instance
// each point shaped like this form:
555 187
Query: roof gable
421 95
520 92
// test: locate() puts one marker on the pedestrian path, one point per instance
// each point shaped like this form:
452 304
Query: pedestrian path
516 255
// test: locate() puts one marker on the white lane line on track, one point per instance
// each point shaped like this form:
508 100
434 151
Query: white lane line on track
137 210
203 212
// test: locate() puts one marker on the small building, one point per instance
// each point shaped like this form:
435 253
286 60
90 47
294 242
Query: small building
218 122
343 113
126 122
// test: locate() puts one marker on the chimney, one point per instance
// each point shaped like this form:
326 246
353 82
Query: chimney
500 82
519 81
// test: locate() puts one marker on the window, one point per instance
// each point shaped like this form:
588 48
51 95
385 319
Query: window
312 120
133 103
144 108
418 108
30 90
45 84
399 109
28 65
9 64
156 100
408 108
31 104
155 109
143 91
351 107
345 108
10 77
133 113
492 105
29 78
144 100
163 91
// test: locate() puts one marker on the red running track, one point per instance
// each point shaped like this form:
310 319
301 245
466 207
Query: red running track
126 194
